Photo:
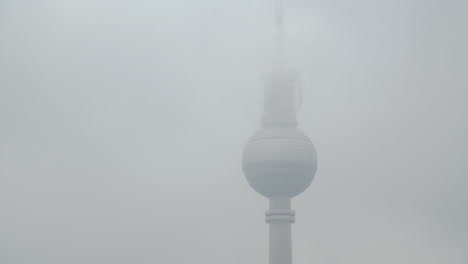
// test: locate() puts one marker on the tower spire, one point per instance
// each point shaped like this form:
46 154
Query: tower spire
282 84
280 52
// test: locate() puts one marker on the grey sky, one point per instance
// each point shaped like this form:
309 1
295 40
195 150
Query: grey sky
123 123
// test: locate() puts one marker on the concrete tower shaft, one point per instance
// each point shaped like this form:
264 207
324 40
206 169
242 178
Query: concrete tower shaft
280 217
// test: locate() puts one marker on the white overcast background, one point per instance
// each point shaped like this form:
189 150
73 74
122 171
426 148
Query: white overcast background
122 125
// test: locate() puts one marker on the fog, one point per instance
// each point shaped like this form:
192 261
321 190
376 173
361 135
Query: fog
122 125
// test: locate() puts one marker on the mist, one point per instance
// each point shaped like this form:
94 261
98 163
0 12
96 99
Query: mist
122 125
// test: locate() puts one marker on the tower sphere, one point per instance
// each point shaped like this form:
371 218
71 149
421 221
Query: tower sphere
279 161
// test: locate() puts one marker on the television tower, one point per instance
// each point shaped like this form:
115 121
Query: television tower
279 160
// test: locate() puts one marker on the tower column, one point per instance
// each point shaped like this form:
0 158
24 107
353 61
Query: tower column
280 217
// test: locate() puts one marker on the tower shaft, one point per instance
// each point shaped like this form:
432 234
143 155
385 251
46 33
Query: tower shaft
280 217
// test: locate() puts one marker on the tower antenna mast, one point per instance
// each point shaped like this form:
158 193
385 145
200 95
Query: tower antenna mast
279 21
